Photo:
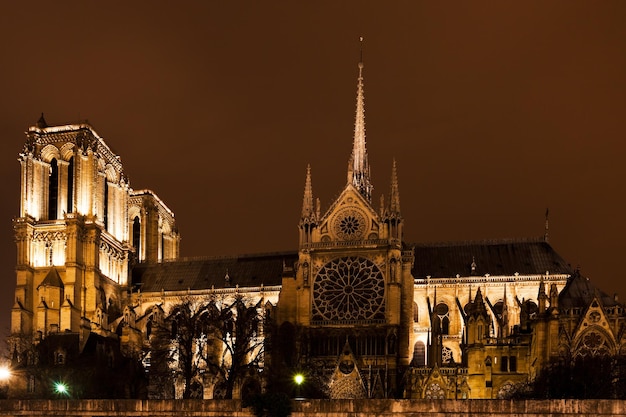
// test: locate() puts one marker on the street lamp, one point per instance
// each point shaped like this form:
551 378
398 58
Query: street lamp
5 373
61 388
299 380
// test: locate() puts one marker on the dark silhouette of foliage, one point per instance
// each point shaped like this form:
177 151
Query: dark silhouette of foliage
218 337
600 377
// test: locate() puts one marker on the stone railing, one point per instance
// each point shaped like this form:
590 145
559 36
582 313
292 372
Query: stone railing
317 408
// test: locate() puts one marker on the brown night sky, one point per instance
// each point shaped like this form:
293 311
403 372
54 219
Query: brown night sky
493 110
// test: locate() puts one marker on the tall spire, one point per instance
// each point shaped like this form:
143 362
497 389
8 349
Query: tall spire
307 201
360 165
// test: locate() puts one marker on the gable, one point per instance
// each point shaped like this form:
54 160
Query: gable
350 218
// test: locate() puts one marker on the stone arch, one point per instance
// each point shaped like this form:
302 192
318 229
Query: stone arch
134 211
594 342
111 174
67 151
50 152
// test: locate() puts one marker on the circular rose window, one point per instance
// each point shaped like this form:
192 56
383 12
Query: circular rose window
347 290
349 224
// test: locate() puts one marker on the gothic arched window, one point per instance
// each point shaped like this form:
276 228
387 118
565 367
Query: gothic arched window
70 186
106 204
443 312
53 190
137 237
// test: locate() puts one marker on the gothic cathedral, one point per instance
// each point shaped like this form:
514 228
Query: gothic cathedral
365 312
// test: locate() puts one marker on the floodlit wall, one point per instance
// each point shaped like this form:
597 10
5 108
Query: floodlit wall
316 408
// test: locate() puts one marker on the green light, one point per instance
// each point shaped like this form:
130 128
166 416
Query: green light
299 378
60 388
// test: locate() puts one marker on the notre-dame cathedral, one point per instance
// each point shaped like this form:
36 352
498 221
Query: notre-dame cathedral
380 316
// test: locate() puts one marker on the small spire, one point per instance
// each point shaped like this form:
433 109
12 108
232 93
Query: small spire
41 123
307 201
360 176
545 233
394 194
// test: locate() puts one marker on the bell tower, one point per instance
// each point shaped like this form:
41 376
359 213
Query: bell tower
72 231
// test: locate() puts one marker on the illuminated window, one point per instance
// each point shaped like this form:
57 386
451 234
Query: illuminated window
106 204
137 237
70 186
53 190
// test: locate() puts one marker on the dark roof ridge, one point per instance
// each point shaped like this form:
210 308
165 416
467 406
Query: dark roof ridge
222 257
503 241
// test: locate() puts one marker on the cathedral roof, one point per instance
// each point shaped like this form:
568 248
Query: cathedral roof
494 257
438 260
203 273
580 292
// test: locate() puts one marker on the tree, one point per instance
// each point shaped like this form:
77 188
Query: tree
585 377
234 333
215 336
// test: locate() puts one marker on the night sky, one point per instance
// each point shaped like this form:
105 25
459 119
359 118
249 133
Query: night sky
493 110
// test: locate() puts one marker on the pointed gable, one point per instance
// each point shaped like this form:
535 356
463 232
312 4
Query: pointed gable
350 218
53 279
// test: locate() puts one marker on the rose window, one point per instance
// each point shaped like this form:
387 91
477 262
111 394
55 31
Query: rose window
347 290
350 224
593 344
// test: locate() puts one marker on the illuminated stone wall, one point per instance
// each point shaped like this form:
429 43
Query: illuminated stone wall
317 408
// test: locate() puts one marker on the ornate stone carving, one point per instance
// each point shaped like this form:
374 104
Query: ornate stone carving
349 224
349 289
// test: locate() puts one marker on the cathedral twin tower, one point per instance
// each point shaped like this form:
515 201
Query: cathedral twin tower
79 229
